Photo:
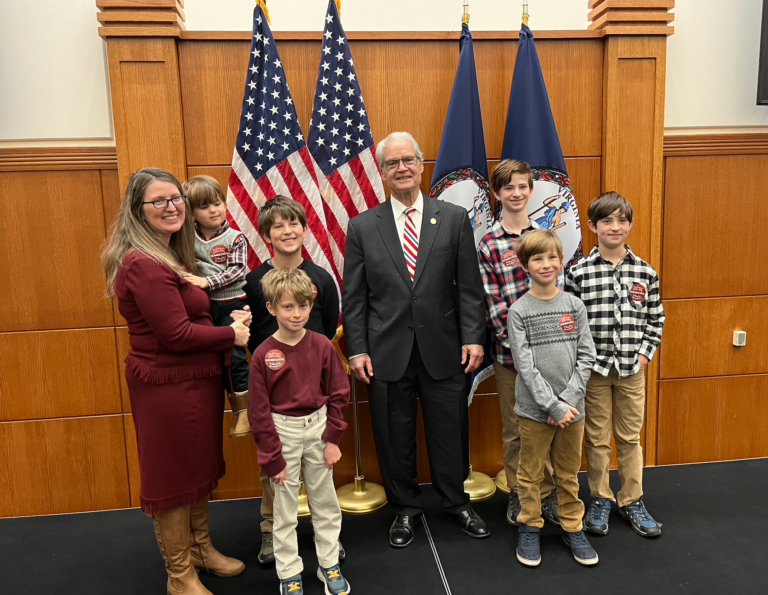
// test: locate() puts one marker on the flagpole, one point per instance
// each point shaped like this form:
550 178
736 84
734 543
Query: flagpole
478 485
525 13
359 498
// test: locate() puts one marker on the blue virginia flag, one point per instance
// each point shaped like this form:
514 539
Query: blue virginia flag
461 170
531 136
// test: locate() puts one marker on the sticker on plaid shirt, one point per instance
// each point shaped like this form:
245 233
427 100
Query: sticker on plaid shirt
275 359
637 292
567 323
219 254
509 258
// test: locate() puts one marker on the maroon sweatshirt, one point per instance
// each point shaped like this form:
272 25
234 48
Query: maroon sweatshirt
294 380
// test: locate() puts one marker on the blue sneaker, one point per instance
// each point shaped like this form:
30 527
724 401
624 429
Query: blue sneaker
292 586
596 519
582 550
335 584
640 519
528 545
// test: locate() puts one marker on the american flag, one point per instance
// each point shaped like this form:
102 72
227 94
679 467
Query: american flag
340 139
271 157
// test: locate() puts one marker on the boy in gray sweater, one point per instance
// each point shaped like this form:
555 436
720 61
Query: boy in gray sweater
554 354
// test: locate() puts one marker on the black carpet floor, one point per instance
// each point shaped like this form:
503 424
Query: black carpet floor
715 541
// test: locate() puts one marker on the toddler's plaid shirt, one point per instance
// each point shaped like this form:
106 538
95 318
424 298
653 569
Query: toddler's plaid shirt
624 309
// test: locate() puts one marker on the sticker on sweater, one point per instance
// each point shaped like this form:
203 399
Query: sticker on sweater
567 323
314 291
219 254
275 359
509 258
637 292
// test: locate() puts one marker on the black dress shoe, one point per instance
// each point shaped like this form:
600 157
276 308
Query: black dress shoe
471 523
401 532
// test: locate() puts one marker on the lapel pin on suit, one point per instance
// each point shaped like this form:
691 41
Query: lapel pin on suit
433 221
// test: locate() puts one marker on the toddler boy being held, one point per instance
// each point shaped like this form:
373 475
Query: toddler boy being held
554 354
221 254
299 391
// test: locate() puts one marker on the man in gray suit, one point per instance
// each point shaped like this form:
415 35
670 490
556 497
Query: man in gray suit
414 323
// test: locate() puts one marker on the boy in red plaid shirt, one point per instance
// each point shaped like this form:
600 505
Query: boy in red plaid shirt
504 282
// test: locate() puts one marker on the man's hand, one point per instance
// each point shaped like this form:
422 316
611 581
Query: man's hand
197 281
569 416
642 360
280 478
332 455
362 368
475 353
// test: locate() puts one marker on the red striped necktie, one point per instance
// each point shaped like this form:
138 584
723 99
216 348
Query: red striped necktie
410 243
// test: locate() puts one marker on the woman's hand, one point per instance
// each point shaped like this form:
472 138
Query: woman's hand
242 333
244 315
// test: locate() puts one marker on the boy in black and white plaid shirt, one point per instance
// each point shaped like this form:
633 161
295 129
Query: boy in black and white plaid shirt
621 295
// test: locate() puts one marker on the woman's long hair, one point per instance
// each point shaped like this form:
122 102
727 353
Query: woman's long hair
130 232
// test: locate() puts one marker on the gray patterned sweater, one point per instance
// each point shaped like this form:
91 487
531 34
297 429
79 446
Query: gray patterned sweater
554 354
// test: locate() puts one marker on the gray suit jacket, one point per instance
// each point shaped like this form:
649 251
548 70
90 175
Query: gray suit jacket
383 310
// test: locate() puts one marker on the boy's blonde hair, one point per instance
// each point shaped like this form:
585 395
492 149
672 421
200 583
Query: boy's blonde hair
203 191
276 282
287 208
538 241
606 205
502 173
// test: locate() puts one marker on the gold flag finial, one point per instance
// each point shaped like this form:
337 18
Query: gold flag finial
263 5
465 16
338 6
525 13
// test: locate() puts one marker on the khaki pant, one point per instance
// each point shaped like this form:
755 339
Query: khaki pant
564 445
624 400
267 503
510 433
303 446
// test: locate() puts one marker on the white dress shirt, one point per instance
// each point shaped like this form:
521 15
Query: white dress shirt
398 210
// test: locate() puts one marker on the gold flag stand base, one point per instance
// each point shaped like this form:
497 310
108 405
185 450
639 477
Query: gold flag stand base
359 498
501 482
304 512
479 486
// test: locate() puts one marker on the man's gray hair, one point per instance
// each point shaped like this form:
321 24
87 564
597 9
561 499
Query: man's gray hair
397 136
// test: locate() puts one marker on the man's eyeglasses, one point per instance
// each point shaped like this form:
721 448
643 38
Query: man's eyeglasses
162 203
408 161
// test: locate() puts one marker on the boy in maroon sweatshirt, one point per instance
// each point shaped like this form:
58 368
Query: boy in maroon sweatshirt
299 391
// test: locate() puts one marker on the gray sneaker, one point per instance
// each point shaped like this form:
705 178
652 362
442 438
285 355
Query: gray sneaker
513 509
335 583
596 519
640 519
267 551
291 586
549 509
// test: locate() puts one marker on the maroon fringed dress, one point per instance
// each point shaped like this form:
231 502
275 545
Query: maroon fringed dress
173 370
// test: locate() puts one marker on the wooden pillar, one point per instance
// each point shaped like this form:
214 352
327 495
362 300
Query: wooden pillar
141 38
634 76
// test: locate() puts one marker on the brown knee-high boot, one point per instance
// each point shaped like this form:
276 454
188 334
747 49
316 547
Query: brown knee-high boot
172 530
204 555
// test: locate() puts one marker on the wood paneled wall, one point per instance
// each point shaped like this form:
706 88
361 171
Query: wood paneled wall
66 430
712 395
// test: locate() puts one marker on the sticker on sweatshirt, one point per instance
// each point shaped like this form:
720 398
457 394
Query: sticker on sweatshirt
637 292
314 291
275 359
567 323
219 254
509 258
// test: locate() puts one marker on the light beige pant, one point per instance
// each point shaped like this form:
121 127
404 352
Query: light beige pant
303 445
624 401
510 433
564 444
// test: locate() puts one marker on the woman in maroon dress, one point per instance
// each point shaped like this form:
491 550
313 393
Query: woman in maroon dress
173 372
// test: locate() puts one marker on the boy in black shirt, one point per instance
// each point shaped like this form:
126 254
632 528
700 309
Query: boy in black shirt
283 224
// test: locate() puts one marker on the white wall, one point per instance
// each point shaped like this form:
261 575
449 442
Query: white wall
54 88
712 64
